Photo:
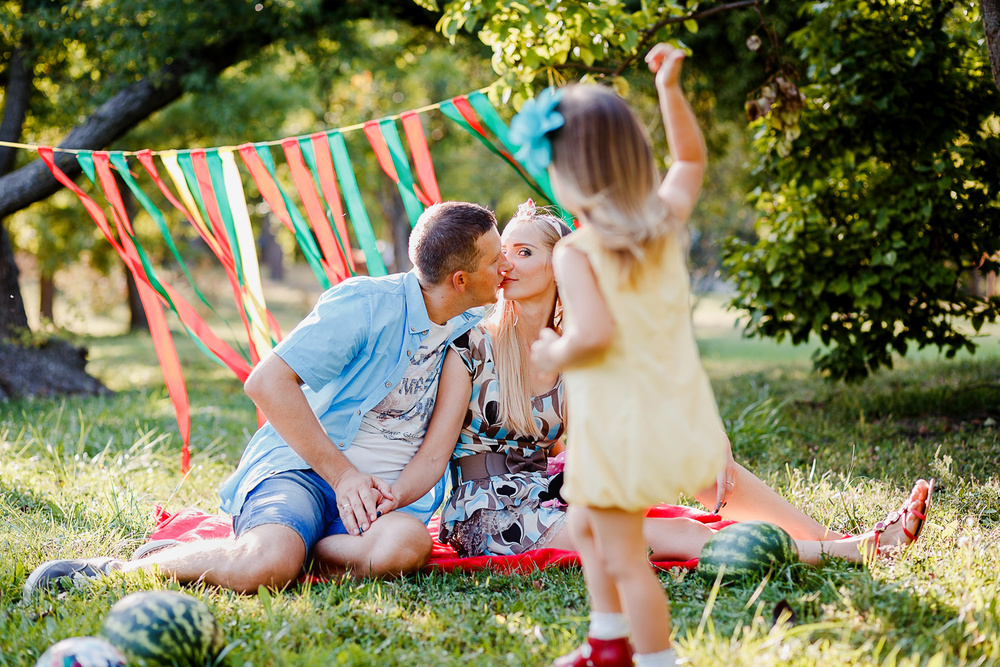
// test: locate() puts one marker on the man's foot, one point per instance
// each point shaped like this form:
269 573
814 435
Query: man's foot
903 526
149 548
598 653
63 574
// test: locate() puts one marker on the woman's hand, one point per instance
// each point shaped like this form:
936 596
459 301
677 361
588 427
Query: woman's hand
665 61
358 499
725 482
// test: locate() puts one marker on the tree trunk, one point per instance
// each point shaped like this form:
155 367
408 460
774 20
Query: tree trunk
16 97
137 315
990 10
12 314
399 227
46 296
270 252
137 320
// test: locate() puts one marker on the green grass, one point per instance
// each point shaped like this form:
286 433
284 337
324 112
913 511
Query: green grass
81 477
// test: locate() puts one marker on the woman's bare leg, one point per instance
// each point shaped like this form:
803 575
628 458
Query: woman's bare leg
753 500
865 547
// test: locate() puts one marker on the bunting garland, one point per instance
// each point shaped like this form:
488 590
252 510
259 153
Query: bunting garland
207 187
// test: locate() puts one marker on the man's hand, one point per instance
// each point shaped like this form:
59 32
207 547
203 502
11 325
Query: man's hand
358 499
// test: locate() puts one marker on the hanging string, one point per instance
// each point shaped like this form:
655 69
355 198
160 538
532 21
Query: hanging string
273 142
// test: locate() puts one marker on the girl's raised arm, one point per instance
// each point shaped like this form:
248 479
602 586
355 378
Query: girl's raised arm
682 183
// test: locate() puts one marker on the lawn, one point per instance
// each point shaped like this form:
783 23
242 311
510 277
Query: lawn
81 477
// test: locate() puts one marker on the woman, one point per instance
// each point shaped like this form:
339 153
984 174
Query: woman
515 418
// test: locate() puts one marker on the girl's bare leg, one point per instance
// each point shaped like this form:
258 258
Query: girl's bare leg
620 554
753 500
603 594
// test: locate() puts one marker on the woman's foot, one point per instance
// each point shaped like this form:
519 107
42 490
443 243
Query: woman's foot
902 527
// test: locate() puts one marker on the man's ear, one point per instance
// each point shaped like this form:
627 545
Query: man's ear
460 280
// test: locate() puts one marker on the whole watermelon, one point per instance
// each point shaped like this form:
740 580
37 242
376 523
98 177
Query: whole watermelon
164 629
82 652
749 550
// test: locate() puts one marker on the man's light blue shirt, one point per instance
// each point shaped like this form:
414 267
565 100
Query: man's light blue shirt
349 352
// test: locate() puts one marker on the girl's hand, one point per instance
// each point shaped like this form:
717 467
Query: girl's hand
665 61
543 351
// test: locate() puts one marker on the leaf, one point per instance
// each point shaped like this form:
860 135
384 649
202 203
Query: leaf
429 5
691 25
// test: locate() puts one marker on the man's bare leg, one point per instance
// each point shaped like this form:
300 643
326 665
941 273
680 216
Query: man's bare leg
396 544
270 555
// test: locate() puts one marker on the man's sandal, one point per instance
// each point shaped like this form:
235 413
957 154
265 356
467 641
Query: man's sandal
902 513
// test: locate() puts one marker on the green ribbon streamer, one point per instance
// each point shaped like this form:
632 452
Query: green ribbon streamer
405 185
449 110
121 165
305 144
491 119
86 161
303 234
222 201
186 164
355 205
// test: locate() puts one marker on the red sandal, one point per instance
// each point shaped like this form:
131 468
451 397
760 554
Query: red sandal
902 513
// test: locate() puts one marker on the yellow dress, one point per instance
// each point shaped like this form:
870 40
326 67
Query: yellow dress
643 425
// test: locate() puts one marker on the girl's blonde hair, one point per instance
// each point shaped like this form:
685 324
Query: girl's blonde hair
604 172
510 352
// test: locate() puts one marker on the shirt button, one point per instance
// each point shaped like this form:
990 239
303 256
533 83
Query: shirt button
413 328
388 384
359 412
409 353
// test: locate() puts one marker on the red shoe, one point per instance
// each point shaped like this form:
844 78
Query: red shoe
599 653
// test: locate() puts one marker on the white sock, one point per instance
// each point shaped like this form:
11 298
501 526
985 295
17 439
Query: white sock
605 625
665 658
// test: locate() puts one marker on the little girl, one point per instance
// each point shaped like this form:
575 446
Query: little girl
644 426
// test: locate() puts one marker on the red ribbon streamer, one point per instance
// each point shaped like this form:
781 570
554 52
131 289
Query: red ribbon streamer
421 155
314 210
328 182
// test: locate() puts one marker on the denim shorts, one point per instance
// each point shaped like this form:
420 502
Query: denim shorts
299 499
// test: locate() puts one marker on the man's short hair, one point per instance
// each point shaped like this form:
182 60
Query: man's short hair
444 239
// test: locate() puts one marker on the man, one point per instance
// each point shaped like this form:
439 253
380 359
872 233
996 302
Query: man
348 397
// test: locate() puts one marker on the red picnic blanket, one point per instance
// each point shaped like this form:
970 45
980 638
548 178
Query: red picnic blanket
189 525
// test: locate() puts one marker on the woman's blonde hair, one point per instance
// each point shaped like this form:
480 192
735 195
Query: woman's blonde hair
510 352
604 172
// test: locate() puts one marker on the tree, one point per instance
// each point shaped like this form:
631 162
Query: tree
114 64
877 187
876 141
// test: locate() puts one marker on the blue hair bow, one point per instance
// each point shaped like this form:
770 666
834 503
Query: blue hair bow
530 127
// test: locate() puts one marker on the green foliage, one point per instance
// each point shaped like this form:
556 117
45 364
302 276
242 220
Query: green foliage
873 219
534 41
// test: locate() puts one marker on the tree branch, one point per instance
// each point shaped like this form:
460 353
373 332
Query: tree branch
693 16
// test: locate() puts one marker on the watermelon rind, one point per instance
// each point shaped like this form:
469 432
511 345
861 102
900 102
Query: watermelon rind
749 551
164 629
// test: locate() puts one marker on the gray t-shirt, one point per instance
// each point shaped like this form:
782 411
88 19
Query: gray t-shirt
393 430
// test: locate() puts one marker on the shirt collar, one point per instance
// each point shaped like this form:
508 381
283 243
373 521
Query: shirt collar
417 320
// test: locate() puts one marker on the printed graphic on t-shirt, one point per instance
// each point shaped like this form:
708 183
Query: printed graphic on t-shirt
405 412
